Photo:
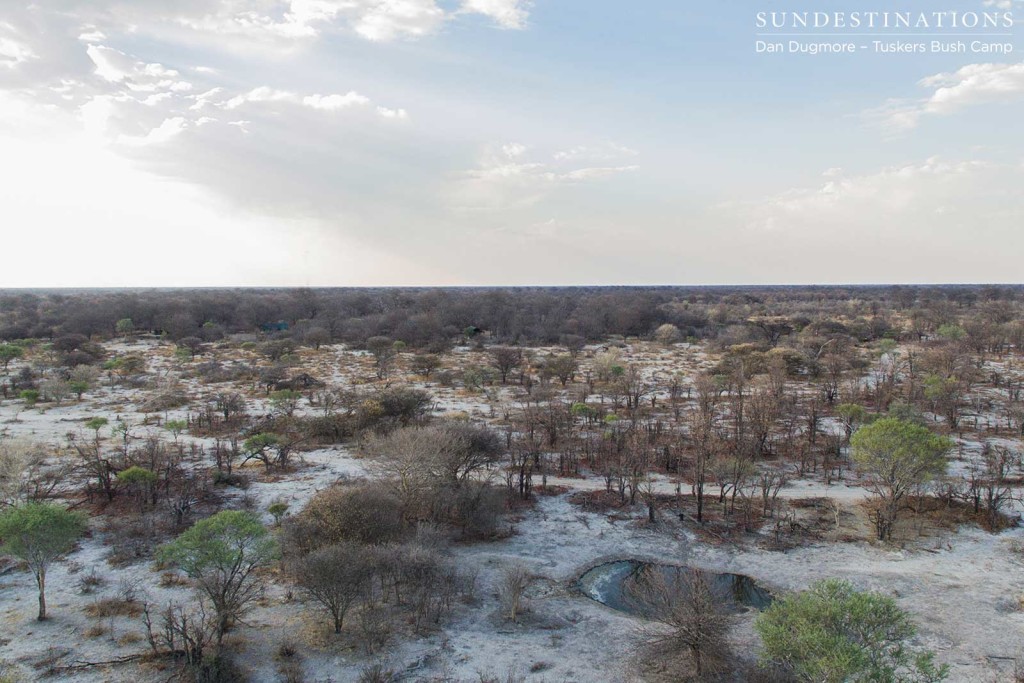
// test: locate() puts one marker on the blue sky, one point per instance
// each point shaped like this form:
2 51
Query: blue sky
348 142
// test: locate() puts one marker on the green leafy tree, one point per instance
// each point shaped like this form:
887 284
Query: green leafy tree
277 510
951 332
175 427
9 352
832 633
125 327
96 424
78 387
260 447
39 533
384 351
223 554
141 483
897 456
29 396
285 401
852 415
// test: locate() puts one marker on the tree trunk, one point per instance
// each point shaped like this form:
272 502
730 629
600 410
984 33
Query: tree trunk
41 580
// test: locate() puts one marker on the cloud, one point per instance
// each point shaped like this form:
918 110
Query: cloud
971 85
602 152
889 201
269 21
591 173
934 220
316 101
505 179
508 14
392 113
115 66
335 102
513 150
167 130
13 50
391 19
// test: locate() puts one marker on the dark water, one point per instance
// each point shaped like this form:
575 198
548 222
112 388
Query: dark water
609 584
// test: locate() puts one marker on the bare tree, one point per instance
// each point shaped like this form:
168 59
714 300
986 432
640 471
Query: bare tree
991 481
512 588
505 359
384 352
337 577
690 613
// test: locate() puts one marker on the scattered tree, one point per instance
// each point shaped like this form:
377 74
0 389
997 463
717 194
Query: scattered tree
39 533
832 633
223 554
897 456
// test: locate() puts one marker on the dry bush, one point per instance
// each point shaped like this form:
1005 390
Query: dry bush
95 631
363 513
690 617
133 539
114 607
376 673
375 628
512 589
90 581
476 509
337 577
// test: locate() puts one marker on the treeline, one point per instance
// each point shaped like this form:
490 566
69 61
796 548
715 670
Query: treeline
435 316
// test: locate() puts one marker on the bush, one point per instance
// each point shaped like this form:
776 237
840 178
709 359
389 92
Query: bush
832 632
364 513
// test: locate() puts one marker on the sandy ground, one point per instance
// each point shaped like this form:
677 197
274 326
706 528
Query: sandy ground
963 590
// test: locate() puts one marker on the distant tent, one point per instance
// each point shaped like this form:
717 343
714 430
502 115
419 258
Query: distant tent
279 326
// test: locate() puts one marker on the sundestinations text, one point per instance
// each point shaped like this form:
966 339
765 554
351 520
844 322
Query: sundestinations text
884 20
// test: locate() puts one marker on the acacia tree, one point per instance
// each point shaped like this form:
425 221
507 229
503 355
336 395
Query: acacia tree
39 533
384 352
897 456
505 359
832 634
337 577
9 352
222 554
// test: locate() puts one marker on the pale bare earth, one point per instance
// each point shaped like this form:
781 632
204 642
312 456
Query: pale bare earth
963 588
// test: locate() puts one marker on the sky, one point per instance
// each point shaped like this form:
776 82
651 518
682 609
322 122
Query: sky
500 142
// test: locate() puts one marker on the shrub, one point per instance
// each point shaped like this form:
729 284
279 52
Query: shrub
834 633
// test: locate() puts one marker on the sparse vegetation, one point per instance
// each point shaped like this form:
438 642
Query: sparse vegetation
411 454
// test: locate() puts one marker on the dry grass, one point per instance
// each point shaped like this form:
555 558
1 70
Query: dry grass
114 607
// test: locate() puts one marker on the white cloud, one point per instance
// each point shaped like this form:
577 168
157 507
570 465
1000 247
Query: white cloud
591 173
603 152
509 14
13 49
335 102
974 84
316 101
505 179
888 200
392 113
390 19
513 150
167 130
92 35
971 85
936 220
261 94
115 66
374 20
